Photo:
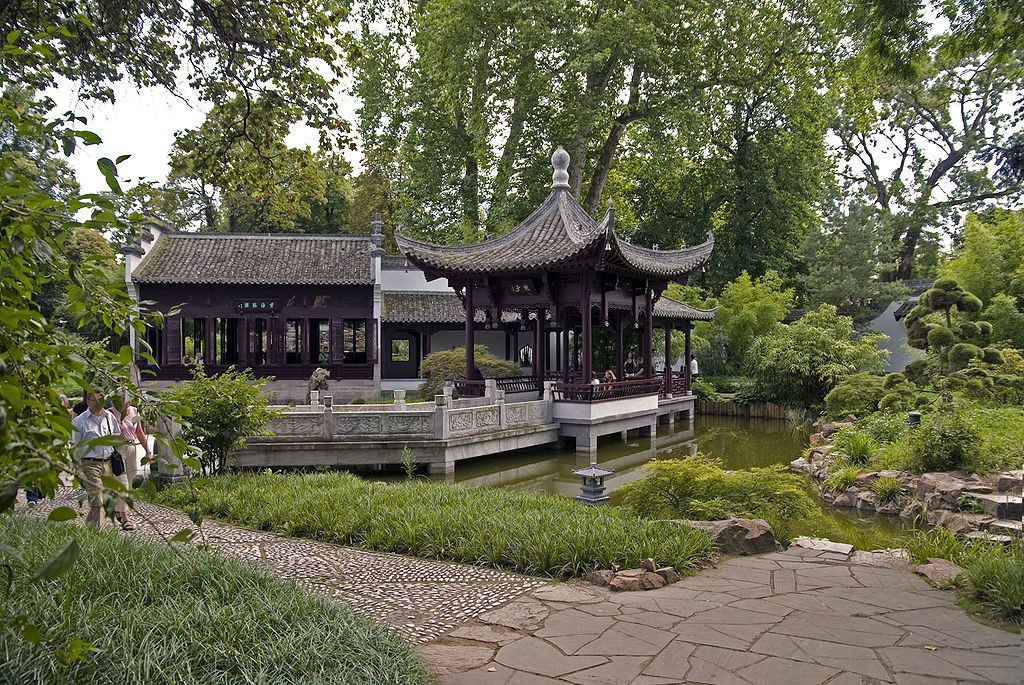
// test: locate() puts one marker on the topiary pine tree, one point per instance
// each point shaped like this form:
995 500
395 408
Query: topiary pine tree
954 344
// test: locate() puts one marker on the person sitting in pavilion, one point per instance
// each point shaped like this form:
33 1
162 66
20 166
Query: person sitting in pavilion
609 376
630 368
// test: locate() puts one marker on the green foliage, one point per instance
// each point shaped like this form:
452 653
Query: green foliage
698 487
969 503
749 308
859 447
841 479
1006 318
447 365
223 410
995 572
846 259
408 463
884 427
704 390
542 535
856 394
220 620
886 488
990 262
800 363
946 440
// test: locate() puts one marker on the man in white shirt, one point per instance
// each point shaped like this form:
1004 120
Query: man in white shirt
694 368
96 422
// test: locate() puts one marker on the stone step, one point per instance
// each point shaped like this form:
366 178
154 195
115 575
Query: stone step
989 537
1004 526
1001 506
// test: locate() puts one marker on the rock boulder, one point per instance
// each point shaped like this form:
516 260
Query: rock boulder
740 536
940 571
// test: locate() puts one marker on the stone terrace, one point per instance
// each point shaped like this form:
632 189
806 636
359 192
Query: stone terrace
799 617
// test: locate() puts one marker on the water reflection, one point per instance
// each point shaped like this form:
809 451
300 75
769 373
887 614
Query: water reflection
740 443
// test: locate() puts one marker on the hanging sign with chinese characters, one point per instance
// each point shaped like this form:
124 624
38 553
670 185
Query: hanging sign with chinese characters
256 305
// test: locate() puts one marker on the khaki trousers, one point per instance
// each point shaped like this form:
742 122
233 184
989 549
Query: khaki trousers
132 455
92 471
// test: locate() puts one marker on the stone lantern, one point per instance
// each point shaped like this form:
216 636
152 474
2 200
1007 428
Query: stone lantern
592 485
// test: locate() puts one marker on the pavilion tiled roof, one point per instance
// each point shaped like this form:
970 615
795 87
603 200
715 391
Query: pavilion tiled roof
559 231
668 309
244 259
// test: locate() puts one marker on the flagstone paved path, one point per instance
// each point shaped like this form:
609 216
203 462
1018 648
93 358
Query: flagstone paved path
791 618
799 617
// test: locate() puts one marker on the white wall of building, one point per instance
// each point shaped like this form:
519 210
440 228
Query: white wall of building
411 280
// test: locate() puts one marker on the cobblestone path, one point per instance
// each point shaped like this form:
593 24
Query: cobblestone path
799 617
422 599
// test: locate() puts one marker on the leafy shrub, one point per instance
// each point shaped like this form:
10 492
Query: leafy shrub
884 427
704 390
945 441
223 409
859 447
841 479
797 365
886 488
726 383
995 572
968 503
542 535
698 488
857 394
447 365
157 614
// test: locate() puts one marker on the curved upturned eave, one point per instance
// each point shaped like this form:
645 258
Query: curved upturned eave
669 264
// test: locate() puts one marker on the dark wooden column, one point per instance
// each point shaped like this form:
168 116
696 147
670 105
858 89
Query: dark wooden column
686 357
565 346
648 332
668 358
540 352
470 312
619 342
587 361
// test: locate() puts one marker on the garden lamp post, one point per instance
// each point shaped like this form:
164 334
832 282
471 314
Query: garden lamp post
592 485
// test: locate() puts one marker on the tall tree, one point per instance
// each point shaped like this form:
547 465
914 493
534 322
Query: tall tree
926 148
238 169
473 92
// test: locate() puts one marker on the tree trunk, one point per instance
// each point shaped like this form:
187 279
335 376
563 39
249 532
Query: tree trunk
470 187
611 143
905 269
525 100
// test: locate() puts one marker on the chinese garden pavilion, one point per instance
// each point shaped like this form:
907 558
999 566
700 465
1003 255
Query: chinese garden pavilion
563 270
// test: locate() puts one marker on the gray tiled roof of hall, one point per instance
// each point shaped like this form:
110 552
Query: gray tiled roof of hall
257 259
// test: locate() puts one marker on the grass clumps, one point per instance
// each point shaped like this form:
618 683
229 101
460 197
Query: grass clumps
541 535
886 488
841 479
859 447
154 616
994 572
698 488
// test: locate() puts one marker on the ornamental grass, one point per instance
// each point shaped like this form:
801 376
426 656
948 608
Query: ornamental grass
542 535
140 612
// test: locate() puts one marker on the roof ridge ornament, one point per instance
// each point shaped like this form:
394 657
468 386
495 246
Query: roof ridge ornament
560 161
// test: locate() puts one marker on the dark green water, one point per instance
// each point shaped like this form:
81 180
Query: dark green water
740 443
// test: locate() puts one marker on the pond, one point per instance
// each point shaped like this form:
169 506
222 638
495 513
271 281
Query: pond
740 443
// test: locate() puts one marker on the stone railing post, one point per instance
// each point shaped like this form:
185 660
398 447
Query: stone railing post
399 400
442 403
314 398
499 401
490 390
327 427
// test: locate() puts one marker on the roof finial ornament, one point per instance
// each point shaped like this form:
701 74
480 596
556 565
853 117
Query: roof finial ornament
560 161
